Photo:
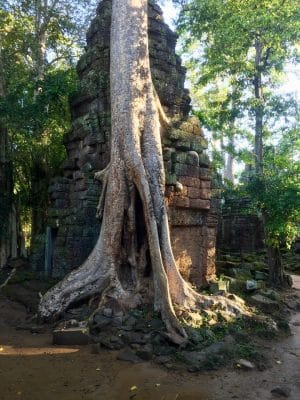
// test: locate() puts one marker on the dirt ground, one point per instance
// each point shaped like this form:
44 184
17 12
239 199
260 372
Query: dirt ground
31 368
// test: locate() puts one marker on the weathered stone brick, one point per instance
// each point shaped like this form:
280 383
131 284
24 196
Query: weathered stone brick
190 181
205 194
192 158
193 193
167 153
205 184
205 174
204 160
186 170
181 201
199 203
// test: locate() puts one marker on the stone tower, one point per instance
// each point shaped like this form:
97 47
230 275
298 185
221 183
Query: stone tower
73 227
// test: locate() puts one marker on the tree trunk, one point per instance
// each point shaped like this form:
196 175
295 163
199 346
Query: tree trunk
39 196
276 275
133 191
38 184
8 218
40 34
228 170
277 278
259 108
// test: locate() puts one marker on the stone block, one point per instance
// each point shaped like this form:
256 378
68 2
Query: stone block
205 194
205 184
90 149
171 179
167 153
184 190
59 195
181 202
204 174
71 336
194 193
61 203
200 204
90 140
187 126
190 181
192 158
215 203
184 145
179 157
204 160
186 170
264 303
78 175
80 185
185 217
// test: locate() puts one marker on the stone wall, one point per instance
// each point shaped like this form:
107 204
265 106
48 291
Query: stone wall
239 231
73 228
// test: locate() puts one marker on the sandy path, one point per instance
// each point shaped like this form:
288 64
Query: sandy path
31 368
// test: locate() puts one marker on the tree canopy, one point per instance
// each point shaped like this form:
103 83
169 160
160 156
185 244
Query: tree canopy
40 44
238 53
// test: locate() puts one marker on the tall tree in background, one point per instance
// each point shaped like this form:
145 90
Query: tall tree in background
133 190
277 193
219 110
8 223
251 40
41 41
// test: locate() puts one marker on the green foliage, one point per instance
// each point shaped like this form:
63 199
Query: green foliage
228 30
234 46
40 42
237 51
277 191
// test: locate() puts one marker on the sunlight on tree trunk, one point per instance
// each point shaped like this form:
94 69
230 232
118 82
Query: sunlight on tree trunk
133 186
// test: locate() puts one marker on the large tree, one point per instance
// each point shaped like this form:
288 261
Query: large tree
8 218
39 42
250 41
133 190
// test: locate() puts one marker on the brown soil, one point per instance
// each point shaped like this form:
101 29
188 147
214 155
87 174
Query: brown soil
31 368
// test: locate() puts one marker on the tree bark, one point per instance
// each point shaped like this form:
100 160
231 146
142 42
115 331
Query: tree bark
133 186
8 217
228 170
259 108
277 277
38 184
40 41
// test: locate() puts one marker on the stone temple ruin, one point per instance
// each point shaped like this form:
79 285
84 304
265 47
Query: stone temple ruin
192 200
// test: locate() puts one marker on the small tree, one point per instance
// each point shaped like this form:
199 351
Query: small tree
277 194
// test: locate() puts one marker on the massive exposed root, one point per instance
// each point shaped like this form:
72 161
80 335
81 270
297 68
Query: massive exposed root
133 190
